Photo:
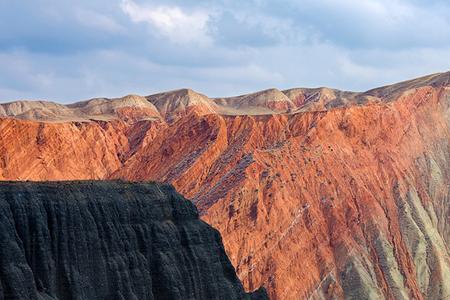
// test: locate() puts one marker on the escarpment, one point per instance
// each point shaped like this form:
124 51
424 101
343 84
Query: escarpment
109 240
318 193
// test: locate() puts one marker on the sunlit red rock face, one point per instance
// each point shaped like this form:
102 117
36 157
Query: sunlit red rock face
332 194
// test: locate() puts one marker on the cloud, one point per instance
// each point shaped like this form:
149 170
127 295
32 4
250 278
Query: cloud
70 50
396 24
171 21
98 21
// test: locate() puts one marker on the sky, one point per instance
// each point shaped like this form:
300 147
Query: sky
66 51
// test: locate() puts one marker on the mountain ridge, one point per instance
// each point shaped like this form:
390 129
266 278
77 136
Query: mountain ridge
172 104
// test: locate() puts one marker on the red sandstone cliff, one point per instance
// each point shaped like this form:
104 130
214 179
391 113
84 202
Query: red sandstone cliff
317 193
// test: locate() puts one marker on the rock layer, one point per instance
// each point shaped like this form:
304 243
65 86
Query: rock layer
343 195
109 240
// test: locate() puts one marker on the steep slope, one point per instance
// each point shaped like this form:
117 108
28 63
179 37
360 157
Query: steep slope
79 150
354 201
345 195
109 240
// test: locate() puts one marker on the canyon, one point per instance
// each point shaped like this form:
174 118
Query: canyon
317 193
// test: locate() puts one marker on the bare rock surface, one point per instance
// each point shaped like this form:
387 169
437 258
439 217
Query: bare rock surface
343 195
109 240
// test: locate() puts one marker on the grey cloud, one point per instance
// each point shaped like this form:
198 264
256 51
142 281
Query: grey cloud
70 50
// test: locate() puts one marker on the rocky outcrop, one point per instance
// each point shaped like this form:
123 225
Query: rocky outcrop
346 195
352 201
109 240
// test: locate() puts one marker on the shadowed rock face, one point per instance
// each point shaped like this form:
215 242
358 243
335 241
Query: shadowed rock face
343 195
109 240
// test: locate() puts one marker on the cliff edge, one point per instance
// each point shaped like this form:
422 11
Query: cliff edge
109 240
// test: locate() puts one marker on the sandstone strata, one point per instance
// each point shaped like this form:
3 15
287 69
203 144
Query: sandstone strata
336 194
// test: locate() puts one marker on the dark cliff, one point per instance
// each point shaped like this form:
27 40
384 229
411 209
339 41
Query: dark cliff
109 240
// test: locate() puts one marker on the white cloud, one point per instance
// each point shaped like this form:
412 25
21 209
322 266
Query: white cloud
97 21
171 21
